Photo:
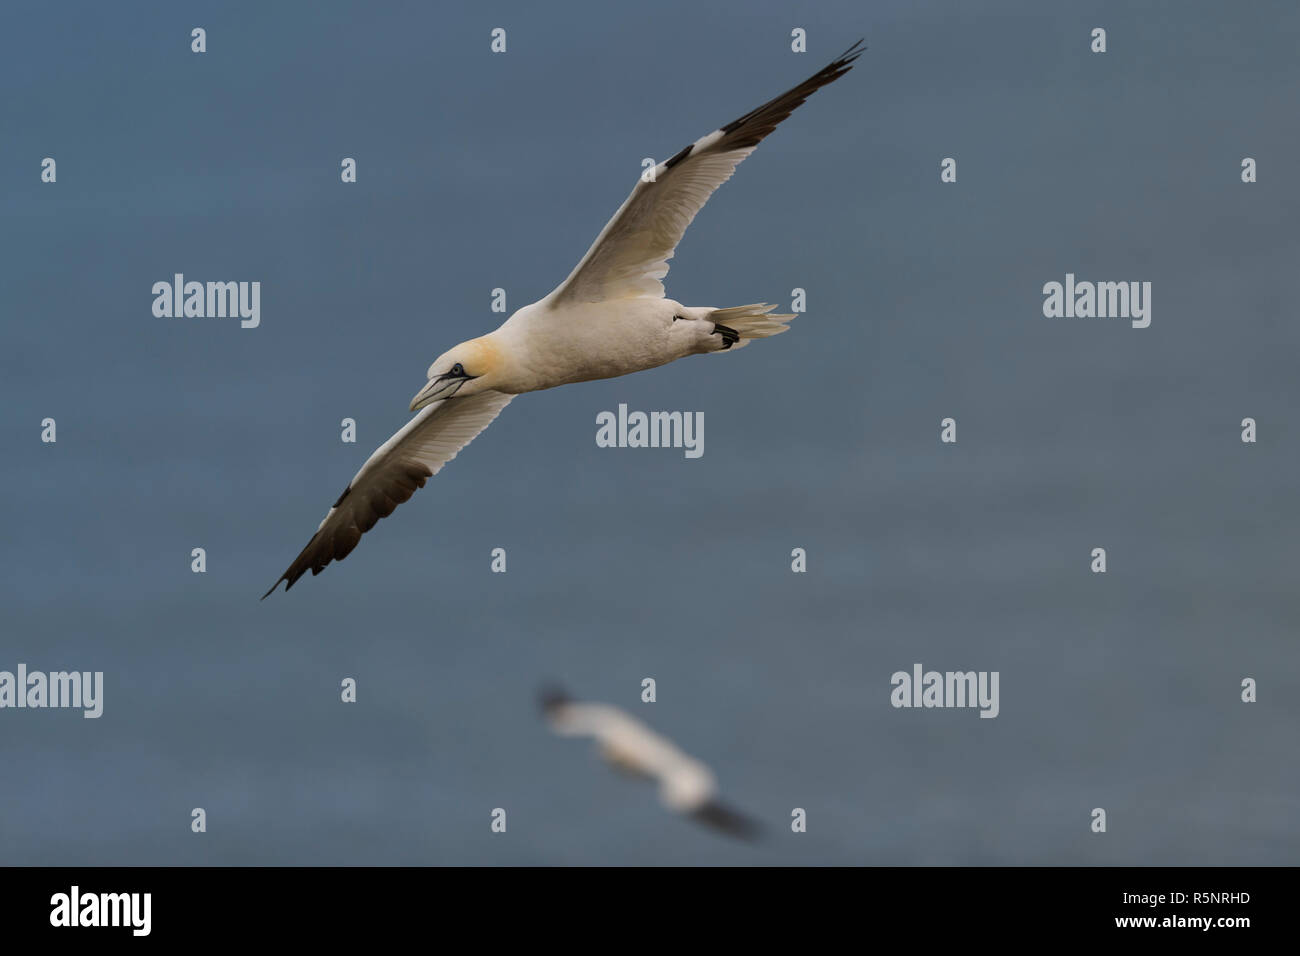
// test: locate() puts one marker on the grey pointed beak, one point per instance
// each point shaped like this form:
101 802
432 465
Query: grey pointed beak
433 390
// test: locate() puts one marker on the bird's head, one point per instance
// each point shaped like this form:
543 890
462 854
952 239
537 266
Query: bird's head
470 367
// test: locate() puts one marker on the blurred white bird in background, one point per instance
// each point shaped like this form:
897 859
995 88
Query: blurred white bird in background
685 784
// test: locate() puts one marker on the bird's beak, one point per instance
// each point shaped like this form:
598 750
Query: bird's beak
441 387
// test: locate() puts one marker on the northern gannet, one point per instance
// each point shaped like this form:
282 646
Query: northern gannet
685 784
608 318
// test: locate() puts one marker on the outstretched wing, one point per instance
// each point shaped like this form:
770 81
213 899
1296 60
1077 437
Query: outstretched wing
391 475
630 256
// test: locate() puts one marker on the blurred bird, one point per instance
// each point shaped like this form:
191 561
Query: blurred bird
685 784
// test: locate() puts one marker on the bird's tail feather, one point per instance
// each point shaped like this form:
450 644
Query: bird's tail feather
754 321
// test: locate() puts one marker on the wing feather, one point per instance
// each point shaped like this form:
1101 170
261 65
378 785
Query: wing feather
729 821
392 475
630 256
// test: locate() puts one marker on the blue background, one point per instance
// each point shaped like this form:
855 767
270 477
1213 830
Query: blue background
479 171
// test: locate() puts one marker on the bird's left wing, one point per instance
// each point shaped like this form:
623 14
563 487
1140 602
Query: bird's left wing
729 821
630 256
392 474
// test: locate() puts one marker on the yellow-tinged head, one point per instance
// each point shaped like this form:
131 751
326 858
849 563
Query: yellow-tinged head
470 367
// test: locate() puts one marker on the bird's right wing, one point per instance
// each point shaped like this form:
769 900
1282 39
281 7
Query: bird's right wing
630 256
392 474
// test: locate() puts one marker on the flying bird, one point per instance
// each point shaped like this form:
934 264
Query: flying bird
685 784
608 318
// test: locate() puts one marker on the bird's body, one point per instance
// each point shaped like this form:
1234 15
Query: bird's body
608 318
542 347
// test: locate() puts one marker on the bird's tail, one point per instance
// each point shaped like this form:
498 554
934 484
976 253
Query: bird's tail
751 321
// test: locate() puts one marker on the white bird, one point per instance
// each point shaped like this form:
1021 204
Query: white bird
608 318
685 784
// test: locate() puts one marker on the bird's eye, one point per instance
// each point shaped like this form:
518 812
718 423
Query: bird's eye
458 369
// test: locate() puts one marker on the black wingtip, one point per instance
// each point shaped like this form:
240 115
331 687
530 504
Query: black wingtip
844 62
552 696
288 578
853 52
721 817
